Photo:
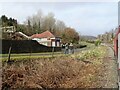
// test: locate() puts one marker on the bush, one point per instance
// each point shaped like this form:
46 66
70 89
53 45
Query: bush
98 42
79 46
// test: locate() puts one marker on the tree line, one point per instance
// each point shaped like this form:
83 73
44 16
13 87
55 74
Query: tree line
39 23
108 37
5 21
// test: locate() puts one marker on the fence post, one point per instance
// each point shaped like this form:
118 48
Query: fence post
9 53
53 51
30 50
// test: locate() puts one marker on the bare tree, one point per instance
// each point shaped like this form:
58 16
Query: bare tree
36 21
59 27
49 22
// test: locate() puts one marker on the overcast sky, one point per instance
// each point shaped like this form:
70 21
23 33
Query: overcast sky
88 18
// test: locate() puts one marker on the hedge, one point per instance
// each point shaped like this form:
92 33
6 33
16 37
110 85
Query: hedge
25 46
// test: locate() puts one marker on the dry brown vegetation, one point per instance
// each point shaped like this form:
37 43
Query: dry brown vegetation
57 72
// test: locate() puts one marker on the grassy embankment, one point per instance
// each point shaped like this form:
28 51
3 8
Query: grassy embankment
25 56
81 70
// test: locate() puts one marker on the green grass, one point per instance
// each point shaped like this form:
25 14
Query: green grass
86 43
92 53
27 54
31 57
24 56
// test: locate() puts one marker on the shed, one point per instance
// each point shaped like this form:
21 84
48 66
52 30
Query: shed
47 38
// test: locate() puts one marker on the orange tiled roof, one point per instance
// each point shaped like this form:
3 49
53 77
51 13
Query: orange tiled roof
45 34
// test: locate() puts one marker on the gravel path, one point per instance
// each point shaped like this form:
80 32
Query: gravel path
110 70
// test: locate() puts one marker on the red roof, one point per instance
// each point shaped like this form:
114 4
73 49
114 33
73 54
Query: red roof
45 34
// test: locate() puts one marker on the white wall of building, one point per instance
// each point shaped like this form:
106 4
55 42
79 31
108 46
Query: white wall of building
41 41
53 43
45 41
37 39
58 44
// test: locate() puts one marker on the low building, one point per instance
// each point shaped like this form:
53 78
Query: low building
10 33
47 38
20 36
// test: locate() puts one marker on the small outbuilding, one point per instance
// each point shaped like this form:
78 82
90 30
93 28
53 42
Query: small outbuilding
48 39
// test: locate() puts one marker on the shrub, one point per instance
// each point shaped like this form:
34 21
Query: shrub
97 42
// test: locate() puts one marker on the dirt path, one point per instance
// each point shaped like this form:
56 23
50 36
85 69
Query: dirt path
110 74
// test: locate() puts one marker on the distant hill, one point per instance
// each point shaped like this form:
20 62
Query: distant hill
87 37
